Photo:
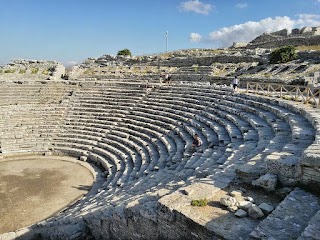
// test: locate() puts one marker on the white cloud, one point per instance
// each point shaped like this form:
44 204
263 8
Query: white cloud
195 37
70 63
241 5
246 32
311 20
195 6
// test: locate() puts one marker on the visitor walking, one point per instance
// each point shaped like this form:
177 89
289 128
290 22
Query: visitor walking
235 84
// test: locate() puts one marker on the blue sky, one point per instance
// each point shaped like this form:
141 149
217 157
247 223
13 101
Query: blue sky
70 31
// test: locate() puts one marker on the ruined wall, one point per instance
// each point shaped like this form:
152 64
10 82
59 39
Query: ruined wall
294 41
207 61
150 220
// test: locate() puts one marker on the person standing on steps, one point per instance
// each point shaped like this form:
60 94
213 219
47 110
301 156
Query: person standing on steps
167 79
196 144
235 84
196 141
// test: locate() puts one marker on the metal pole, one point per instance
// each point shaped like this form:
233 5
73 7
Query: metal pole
166 41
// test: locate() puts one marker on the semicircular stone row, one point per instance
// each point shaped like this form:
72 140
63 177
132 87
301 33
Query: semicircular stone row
152 137
142 141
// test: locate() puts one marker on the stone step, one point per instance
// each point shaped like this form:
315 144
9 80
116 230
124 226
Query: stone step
312 231
290 218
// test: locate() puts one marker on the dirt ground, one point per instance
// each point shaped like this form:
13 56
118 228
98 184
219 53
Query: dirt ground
34 189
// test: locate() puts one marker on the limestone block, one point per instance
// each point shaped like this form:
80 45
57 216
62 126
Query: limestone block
255 212
241 213
228 201
267 182
8 236
236 194
245 205
201 190
311 156
26 233
266 208
48 154
250 199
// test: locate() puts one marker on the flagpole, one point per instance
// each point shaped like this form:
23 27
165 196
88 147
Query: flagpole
166 41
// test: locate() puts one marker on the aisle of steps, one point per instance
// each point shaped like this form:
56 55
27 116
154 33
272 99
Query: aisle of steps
296 217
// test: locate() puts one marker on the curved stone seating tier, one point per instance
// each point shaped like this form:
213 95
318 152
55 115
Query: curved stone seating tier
310 157
189 128
142 142
25 92
234 132
27 128
298 142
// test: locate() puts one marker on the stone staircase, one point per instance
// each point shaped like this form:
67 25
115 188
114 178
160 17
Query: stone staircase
296 217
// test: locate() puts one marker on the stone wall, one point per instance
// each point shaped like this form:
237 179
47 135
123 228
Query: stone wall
207 61
150 220
275 42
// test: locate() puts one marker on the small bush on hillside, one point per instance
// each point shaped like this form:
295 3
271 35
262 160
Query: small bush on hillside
199 202
283 55
22 71
268 75
34 71
124 52
9 71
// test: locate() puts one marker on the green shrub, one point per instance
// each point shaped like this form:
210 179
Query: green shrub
268 75
22 71
88 72
124 52
199 202
9 71
34 70
283 55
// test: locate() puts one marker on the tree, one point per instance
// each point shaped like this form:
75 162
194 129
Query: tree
124 52
283 55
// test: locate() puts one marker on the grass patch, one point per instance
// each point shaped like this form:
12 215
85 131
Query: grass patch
9 71
199 202
34 70
308 48
22 71
268 75
88 72
45 72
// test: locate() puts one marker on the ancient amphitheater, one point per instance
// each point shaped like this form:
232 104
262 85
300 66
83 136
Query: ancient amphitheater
258 166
